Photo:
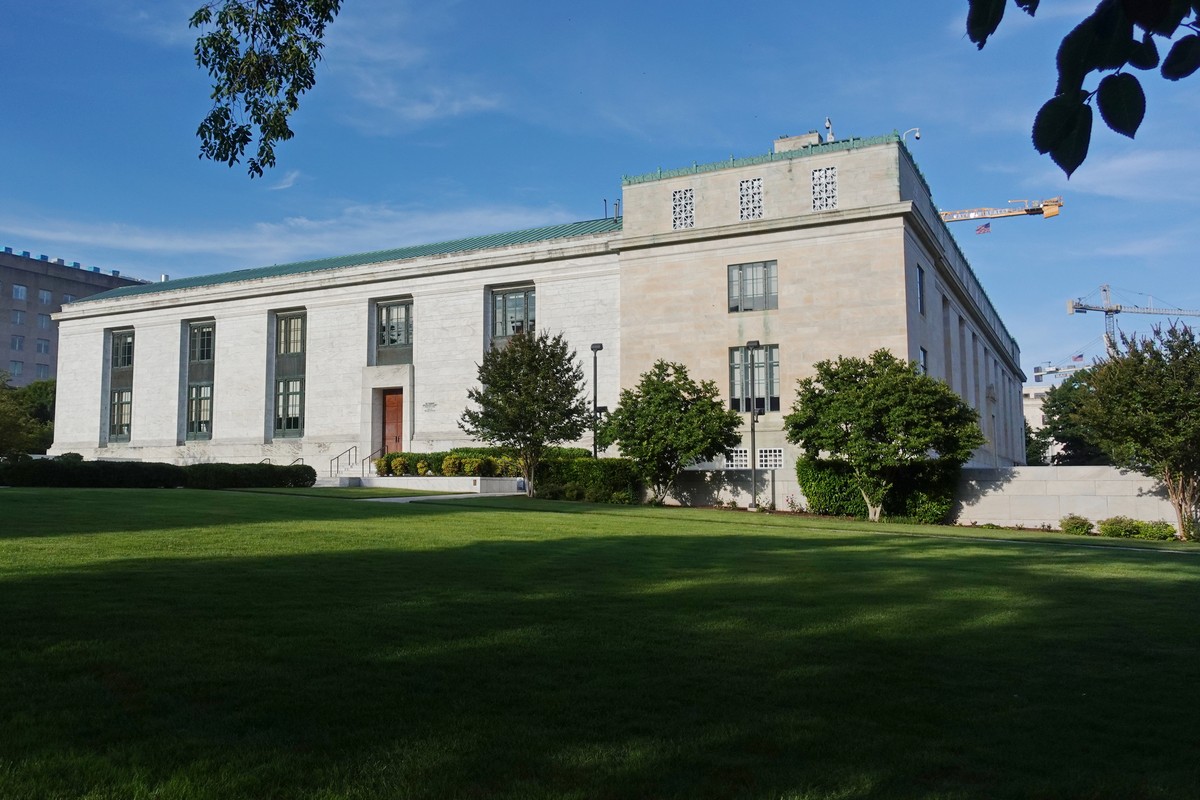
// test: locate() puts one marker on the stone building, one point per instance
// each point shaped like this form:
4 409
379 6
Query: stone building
32 290
813 250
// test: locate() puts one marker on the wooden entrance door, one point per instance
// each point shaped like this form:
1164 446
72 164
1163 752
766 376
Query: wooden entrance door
393 420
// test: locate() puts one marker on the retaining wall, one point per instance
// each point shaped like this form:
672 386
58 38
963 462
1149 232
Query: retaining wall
1036 496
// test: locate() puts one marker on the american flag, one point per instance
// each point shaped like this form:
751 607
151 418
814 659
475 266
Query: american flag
1078 358
984 228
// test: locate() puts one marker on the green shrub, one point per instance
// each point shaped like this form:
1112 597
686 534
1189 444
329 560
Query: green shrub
1076 525
597 478
622 497
829 488
1120 527
470 465
154 475
452 465
549 491
923 494
1126 528
383 466
1157 531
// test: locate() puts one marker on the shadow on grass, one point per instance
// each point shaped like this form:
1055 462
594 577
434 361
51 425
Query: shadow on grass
604 666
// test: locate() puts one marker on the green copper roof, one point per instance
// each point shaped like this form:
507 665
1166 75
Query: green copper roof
528 236
803 152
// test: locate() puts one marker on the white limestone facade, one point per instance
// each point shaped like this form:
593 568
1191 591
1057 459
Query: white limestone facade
815 250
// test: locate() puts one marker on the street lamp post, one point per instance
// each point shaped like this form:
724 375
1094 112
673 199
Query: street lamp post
596 348
751 346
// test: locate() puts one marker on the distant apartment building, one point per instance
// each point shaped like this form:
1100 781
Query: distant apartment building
32 290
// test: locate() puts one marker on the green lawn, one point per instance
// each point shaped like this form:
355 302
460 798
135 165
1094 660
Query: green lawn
186 644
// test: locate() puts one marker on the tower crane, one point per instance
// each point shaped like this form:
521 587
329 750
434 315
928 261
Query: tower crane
1027 208
1111 309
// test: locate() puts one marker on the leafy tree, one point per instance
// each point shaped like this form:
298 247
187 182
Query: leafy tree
262 55
1143 403
1037 445
19 432
668 422
1117 35
1061 408
531 397
881 416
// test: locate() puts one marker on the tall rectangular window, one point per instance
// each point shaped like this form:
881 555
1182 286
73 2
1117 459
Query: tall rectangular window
199 411
42 371
18 317
17 342
120 385
289 407
513 311
920 290
16 368
198 402
289 373
120 415
393 332
44 296
68 298
923 361
824 189
683 209
753 287
122 349
765 386
43 345
750 199
43 321
18 291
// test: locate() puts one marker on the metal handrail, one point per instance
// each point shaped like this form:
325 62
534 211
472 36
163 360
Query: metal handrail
296 461
266 460
370 459
351 454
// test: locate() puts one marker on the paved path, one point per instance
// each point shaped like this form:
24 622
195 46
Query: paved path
438 497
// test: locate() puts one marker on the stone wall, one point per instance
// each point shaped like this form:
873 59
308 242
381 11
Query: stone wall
1035 496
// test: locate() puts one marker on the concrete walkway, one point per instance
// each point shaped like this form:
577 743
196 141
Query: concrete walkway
433 498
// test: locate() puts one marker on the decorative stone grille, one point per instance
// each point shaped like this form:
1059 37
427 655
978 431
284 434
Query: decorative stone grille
824 189
683 209
751 198
738 458
770 458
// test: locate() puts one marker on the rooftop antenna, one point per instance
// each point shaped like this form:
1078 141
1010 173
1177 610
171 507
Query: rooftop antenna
829 128
606 208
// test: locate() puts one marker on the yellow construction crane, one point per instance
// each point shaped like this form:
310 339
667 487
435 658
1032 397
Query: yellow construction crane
1027 208
1111 309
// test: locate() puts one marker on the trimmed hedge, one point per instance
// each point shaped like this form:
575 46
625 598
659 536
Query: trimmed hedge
1126 528
923 494
595 480
479 461
73 472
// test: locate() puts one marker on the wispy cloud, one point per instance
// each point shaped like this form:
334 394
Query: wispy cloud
1159 176
141 249
287 181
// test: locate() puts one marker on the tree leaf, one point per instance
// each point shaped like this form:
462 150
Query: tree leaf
1183 59
1122 103
1073 149
1056 119
1144 55
983 18
1028 6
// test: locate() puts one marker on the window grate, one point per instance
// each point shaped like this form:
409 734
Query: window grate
750 199
683 209
824 189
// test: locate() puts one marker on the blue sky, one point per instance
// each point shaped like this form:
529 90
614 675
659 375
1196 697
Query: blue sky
432 121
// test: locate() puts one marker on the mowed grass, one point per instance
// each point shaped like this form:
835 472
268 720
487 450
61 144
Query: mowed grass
185 644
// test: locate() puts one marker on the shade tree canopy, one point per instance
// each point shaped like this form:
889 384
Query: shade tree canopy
668 422
530 397
1142 405
880 415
